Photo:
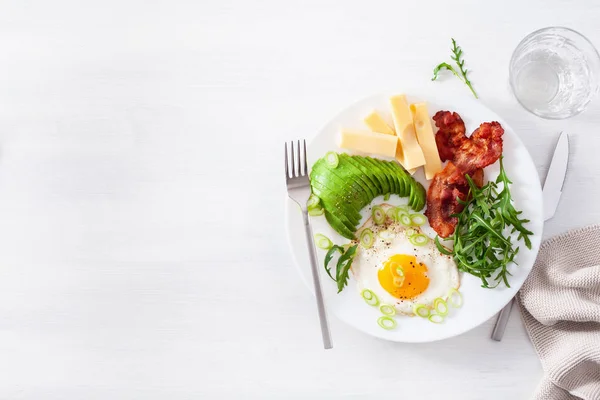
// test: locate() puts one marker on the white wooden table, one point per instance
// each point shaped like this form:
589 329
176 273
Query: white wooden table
143 250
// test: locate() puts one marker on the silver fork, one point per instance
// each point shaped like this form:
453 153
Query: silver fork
298 187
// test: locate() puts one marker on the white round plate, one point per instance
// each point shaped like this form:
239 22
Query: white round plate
480 304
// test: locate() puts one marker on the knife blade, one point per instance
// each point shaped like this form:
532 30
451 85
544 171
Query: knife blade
555 179
553 186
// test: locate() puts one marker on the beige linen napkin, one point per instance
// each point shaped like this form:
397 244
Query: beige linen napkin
560 305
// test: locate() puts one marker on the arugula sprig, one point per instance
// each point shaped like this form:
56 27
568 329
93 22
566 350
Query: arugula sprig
483 242
460 62
343 265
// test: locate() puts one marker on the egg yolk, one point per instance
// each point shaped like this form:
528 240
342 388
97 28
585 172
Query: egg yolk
403 277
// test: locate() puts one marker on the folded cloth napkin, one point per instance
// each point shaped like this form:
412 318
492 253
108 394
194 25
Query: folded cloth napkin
560 306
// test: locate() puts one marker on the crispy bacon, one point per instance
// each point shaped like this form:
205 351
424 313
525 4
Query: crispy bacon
451 133
483 148
467 156
446 186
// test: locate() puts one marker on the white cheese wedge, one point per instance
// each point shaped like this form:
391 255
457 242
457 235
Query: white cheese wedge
409 154
369 142
377 124
426 138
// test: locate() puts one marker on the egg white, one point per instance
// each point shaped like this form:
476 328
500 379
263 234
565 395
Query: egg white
441 269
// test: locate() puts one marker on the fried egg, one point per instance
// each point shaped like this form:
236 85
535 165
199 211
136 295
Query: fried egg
399 272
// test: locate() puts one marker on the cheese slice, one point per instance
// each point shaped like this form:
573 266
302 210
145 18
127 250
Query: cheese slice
426 138
377 124
399 151
409 154
369 142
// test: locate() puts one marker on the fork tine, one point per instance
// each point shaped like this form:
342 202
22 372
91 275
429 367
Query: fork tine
287 172
300 161
305 158
293 156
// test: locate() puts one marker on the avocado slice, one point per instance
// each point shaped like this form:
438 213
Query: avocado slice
339 226
341 180
334 204
392 176
387 186
402 176
380 183
362 179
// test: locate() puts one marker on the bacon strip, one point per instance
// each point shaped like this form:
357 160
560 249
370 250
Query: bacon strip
451 133
467 156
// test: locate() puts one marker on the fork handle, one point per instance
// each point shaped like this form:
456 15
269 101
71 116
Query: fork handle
325 332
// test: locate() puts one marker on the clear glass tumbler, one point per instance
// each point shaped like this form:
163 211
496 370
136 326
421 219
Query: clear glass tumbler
555 72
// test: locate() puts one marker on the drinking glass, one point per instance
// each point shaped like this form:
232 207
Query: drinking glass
555 72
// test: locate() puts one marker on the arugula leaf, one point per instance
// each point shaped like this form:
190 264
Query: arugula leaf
482 246
442 66
335 248
460 62
343 267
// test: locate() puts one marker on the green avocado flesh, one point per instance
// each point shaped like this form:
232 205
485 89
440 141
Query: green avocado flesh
346 189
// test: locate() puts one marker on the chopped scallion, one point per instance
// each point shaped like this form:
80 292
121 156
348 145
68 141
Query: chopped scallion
418 219
323 241
332 159
315 212
440 306
367 238
313 201
419 239
455 298
405 220
388 310
378 215
386 322
370 297
436 318
421 310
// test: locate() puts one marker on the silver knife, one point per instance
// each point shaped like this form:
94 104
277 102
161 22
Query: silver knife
553 186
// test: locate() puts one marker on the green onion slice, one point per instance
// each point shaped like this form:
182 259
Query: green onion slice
391 213
323 241
370 297
313 201
400 270
367 238
418 219
405 219
419 239
332 159
440 306
410 232
455 298
315 212
421 310
378 215
436 319
388 310
386 322
403 209
400 211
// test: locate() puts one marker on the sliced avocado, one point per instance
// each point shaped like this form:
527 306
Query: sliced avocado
391 175
402 178
374 173
386 185
342 181
363 178
338 226
344 211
